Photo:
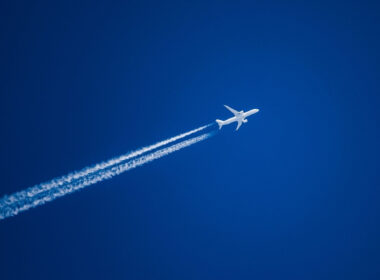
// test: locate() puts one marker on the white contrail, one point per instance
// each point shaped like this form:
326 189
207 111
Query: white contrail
59 181
24 200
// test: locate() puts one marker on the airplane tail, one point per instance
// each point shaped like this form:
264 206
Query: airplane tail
220 123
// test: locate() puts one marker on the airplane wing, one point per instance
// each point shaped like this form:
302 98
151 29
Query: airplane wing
233 111
239 124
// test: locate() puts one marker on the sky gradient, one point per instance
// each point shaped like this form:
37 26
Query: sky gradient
294 194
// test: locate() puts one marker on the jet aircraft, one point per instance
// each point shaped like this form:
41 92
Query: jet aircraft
239 117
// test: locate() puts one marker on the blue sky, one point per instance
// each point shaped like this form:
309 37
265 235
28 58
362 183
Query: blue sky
293 195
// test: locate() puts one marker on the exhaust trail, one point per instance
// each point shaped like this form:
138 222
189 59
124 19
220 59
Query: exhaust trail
59 181
40 194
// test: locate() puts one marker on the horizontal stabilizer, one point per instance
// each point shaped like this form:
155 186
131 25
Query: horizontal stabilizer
220 123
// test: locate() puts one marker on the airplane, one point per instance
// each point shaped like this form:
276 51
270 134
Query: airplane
240 117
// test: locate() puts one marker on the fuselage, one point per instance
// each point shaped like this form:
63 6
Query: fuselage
241 116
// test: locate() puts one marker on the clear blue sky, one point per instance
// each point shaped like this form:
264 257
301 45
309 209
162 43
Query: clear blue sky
293 195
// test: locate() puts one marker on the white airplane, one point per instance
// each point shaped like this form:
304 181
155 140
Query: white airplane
240 117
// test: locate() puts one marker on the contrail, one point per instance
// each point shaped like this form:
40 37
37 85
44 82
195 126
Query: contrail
40 194
59 181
